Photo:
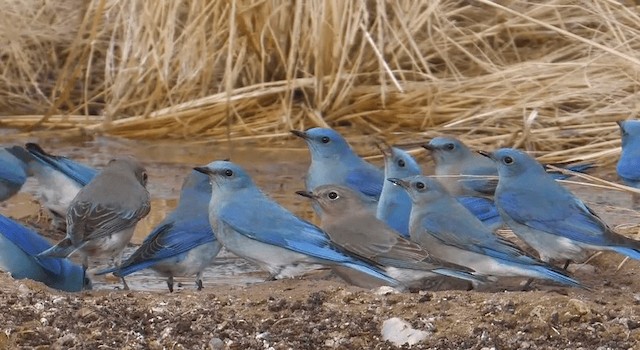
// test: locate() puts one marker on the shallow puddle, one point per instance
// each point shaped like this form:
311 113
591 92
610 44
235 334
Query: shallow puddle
278 170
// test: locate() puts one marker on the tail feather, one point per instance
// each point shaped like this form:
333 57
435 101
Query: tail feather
557 276
630 252
61 250
461 275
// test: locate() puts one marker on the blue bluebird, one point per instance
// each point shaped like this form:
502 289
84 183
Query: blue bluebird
59 180
102 217
350 225
547 216
333 162
18 249
394 206
467 173
13 171
183 244
628 167
450 232
256 228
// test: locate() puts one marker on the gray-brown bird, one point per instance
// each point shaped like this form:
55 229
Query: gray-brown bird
103 215
349 224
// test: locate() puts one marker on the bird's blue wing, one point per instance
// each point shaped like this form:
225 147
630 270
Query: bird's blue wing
276 226
573 220
368 181
30 242
80 173
167 240
483 208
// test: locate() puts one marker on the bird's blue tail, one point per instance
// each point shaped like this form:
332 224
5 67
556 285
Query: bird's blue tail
556 276
630 252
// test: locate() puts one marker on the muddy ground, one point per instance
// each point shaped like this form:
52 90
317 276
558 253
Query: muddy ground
319 311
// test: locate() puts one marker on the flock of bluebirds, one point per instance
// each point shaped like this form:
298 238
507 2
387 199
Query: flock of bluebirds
391 227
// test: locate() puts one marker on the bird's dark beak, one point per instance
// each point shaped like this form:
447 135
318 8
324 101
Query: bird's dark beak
620 124
204 170
428 147
384 148
486 154
399 182
307 194
300 134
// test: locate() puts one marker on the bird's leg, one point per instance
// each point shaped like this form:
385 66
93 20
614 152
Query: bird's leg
85 264
272 277
117 262
566 265
527 285
126 286
199 280
170 284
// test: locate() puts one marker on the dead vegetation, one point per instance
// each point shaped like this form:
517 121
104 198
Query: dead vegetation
549 77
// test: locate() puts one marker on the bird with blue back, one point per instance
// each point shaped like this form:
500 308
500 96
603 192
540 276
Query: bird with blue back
394 206
19 247
628 167
183 244
13 171
448 231
349 224
253 226
59 180
547 216
101 219
465 172
333 162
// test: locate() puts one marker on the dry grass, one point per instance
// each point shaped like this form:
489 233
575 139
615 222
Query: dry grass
551 78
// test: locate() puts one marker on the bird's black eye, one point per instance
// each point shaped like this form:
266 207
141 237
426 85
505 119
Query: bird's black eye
325 139
144 177
333 195
450 146
420 185
507 160
228 172
401 163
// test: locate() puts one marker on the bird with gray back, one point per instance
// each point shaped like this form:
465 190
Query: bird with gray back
465 172
18 249
101 219
628 167
448 231
350 225
183 244
333 162
256 228
59 180
13 171
394 206
547 216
